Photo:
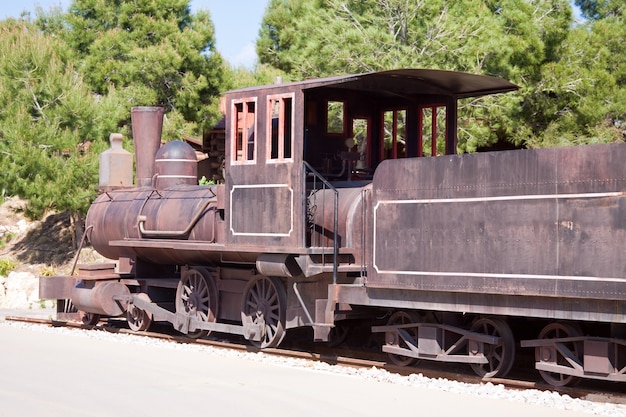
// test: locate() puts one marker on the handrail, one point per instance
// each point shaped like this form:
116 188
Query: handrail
317 176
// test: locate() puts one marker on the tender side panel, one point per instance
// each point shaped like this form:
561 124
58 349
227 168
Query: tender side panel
539 222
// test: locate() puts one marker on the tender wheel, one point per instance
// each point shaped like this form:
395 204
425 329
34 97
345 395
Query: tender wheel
138 320
394 339
550 354
265 303
500 357
196 295
89 319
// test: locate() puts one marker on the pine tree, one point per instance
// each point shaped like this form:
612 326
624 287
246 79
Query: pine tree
511 39
151 53
48 123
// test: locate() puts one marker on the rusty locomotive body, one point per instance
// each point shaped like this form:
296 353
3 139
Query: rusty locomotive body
343 201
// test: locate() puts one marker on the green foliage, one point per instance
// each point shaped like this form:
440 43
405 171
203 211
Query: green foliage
152 52
47 272
601 9
263 74
6 266
6 238
324 37
572 78
510 39
48 122
582 97
68 80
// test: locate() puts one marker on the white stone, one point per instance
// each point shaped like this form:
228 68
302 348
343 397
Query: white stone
21 290
3 290
22 225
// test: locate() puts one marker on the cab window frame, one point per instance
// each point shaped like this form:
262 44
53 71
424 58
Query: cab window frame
244 113
280 138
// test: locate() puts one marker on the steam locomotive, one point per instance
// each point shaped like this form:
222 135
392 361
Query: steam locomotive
343 201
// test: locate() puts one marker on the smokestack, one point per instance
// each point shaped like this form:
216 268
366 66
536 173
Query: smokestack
147 124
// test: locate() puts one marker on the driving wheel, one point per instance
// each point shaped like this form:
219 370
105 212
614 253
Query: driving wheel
196 296
264 304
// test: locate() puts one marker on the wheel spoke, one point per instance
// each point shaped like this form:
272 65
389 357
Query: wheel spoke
255 297
271 300
274 318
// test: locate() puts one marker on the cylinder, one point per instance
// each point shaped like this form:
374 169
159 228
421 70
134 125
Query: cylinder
277 265
100 299
147 126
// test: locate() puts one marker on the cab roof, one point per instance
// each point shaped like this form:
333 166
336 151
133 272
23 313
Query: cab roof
406 82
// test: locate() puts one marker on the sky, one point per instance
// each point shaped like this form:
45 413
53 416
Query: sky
236 23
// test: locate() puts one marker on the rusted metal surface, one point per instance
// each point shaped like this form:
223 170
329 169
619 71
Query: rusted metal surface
116 216
555 308
598 358
101 298
147 124
406 82
175 164
532 223
263 193
186 323
350 215
55 287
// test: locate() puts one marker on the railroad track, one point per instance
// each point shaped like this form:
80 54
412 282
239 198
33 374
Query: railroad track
600 393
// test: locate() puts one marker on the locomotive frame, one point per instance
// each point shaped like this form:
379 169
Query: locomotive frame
330 213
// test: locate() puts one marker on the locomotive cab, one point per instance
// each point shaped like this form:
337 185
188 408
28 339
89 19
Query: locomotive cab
299 162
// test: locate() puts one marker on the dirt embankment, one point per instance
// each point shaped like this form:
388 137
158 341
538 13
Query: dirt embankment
29 249
45 243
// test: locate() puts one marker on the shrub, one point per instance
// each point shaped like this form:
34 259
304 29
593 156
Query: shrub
6 266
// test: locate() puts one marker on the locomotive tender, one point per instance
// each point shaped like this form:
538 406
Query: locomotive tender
343 201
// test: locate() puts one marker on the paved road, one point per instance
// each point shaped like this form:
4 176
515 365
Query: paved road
50 374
